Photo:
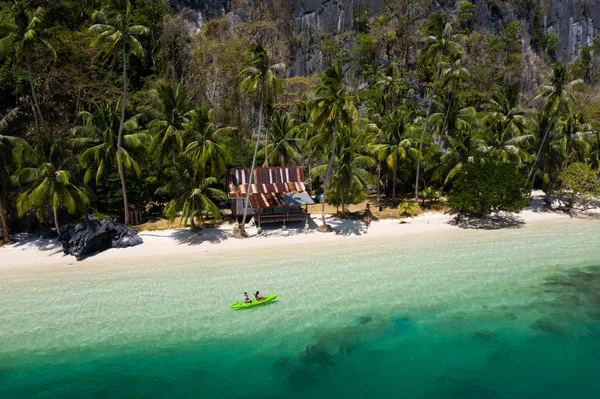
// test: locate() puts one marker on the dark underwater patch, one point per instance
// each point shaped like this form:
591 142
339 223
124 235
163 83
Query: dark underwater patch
547 326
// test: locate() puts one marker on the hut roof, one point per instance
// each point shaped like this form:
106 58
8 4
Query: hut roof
271 187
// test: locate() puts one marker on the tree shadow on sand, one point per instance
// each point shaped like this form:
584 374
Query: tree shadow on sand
197 237
41 243
348 227
487 223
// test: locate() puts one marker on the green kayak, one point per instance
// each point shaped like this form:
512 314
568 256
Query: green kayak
242 305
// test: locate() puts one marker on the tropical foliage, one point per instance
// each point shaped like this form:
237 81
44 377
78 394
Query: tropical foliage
488 187
119 101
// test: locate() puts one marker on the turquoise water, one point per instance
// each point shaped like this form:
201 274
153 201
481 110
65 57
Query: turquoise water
476 314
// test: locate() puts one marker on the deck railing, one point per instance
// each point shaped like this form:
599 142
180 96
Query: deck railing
280 217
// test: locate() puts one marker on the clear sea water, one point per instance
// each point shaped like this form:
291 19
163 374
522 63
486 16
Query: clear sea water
511 313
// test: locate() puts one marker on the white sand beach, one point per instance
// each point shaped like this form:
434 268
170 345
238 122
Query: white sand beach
35 253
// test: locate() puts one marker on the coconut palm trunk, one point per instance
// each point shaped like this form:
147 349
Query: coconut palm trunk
5 235
267 143
447 113
55 211
378 181
537 156
394 184
120 139
251 179
34 96
327 174
437 75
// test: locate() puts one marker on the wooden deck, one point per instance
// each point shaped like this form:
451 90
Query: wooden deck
282 217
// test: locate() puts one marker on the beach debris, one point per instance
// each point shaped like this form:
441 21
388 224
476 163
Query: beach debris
96 235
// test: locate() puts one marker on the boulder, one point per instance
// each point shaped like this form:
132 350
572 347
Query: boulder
96 235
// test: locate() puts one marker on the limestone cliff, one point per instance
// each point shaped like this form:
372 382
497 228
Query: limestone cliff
330 15
575 22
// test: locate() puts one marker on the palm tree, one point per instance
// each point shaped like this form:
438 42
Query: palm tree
259 82
501 143
350 178
284 148
554 98
333 108
170 116
97 141
203 142
504 107
23 34
595 152
459 149
9 156
388 88
115 33
455 117
451 78
192 194
550 156
574 136
441 42
394 144
46 183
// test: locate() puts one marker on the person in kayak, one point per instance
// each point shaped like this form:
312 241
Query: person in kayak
258 297
246 299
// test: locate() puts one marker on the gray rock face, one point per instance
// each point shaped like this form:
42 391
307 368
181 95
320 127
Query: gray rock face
576 22
206 9
330 15
97 235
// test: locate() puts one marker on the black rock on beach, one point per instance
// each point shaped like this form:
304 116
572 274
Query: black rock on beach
96 235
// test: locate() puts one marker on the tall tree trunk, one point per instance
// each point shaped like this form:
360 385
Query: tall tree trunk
251 179
5 232
394 184
537 156
34 96
378 181
56 220
446 116
267 142
437 75
326 182
120 140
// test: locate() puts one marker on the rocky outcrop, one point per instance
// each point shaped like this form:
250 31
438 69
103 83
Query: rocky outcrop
206 9
330 15
97 235
576 22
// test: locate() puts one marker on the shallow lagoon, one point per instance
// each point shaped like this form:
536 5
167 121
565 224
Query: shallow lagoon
476 314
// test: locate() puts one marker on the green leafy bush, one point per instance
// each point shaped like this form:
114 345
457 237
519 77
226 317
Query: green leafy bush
483 188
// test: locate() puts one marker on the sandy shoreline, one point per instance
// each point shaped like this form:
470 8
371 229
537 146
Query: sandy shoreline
180 244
